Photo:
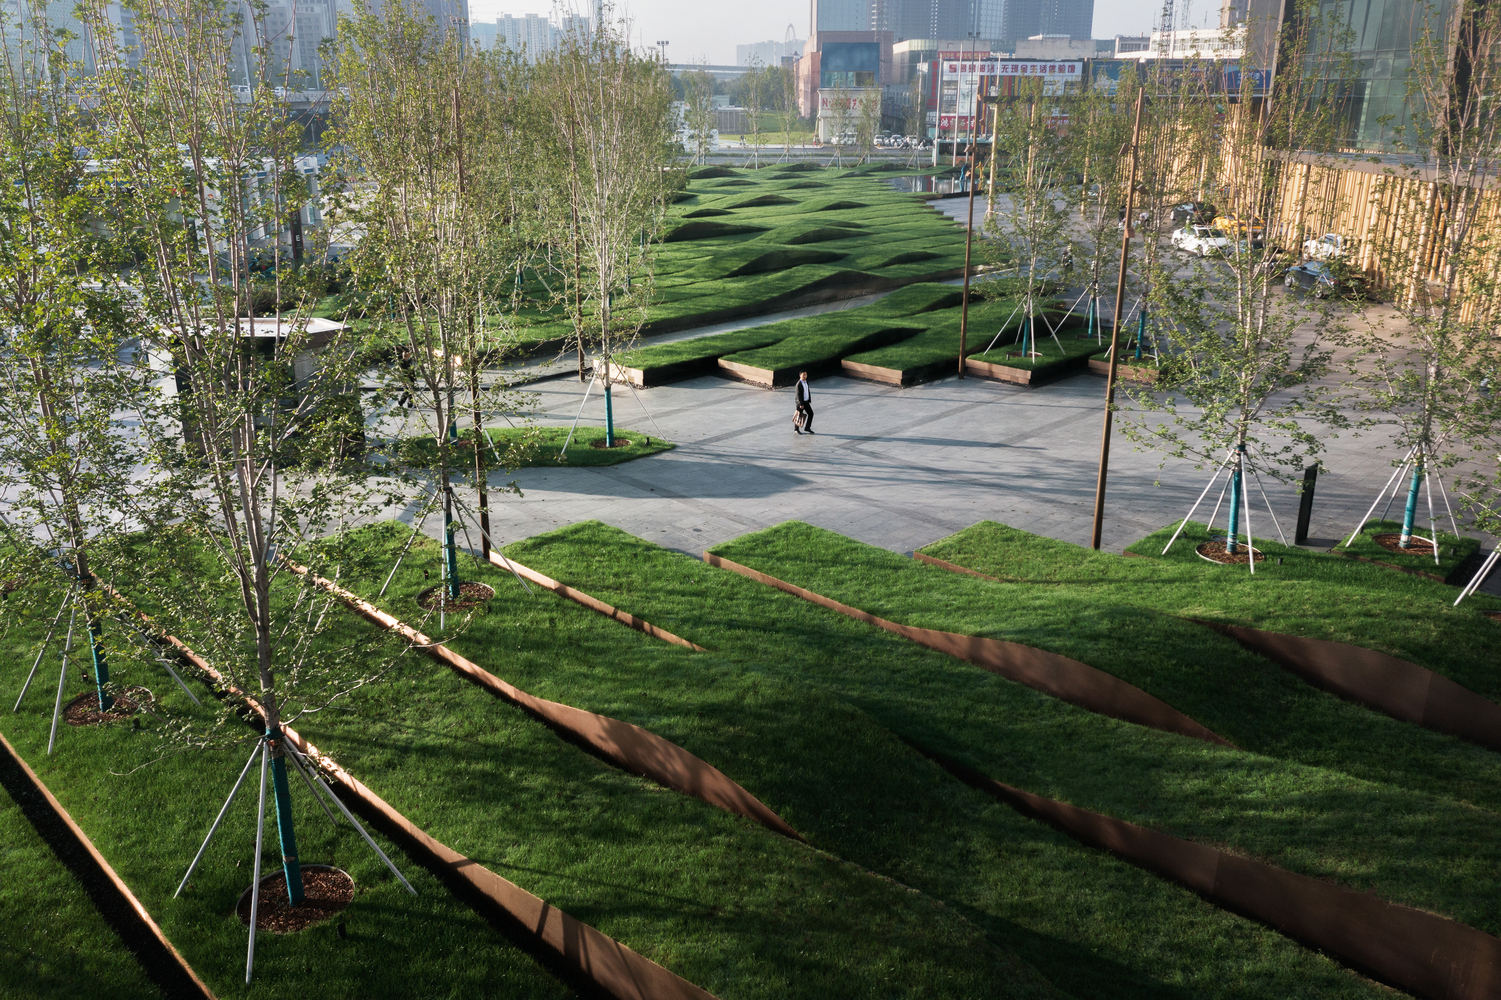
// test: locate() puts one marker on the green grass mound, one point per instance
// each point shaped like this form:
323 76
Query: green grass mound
764 200
56 942
824 345
838 205
798 235
706 173
708 894
1048 353
707 231
909 257
826 743
796 168
939 343
1454 552
1295 590
891 237
1309 761
149 821
701 348
782 260
919 298
544 445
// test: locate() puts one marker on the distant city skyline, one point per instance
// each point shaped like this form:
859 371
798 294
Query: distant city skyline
710 31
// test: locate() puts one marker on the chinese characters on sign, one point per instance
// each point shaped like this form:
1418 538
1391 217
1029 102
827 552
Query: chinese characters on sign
963 75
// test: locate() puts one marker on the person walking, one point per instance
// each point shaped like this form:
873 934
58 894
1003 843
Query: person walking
802 417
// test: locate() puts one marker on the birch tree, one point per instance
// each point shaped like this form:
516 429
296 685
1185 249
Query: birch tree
71 383
612 126
1429 373
1241 386
442 238
263 455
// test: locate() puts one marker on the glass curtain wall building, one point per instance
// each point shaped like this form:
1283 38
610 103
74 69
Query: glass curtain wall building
1378 36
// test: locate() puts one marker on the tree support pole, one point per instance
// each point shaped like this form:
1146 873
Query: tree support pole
1115 327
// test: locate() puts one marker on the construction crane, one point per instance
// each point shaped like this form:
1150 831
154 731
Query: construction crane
1165 31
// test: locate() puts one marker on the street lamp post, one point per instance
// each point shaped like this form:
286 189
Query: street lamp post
969 229
662 47
1115 326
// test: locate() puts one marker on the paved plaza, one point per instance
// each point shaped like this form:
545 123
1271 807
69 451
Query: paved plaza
898 468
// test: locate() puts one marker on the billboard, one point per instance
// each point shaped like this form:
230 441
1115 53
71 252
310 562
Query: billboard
961 76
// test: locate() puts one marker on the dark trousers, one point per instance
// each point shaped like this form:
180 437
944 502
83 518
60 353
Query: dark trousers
804 410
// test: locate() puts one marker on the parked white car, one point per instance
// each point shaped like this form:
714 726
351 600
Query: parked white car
1201 240
1328 246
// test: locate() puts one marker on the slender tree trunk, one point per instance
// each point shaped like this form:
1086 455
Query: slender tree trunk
291 866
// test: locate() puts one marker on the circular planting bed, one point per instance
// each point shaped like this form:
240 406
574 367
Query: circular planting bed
1392 542
1214 551
84 709
619 443
325 891
471 595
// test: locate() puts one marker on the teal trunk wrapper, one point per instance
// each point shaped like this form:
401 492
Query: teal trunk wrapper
291 867
1412 505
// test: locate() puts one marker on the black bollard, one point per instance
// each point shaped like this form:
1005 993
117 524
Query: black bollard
1305 504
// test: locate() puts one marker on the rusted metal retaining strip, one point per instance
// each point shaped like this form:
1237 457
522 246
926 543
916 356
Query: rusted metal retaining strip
630 747
166 967
953 567
599 958
1053 674
1393 686
1423 953
592 603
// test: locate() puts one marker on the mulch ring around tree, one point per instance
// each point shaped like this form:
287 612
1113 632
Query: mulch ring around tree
84 709
325 891
1392 542
1494 616
471 595
600 443
1214 551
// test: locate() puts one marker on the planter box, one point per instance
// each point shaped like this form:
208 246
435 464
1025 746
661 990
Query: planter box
769 378
645 378
901 376
1026 376
1131 373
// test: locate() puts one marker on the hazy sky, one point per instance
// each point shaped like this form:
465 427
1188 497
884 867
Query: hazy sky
711 29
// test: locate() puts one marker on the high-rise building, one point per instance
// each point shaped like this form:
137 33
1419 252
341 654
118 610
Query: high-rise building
1027 18
839 15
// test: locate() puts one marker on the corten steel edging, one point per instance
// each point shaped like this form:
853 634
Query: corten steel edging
1423 953
599 958
954 567
182 981
1390 685
593 603
1051 673
627 746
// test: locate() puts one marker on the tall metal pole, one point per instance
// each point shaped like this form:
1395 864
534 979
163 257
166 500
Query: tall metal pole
1115 326
969 232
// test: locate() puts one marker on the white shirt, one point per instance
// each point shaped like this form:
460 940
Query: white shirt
804 391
